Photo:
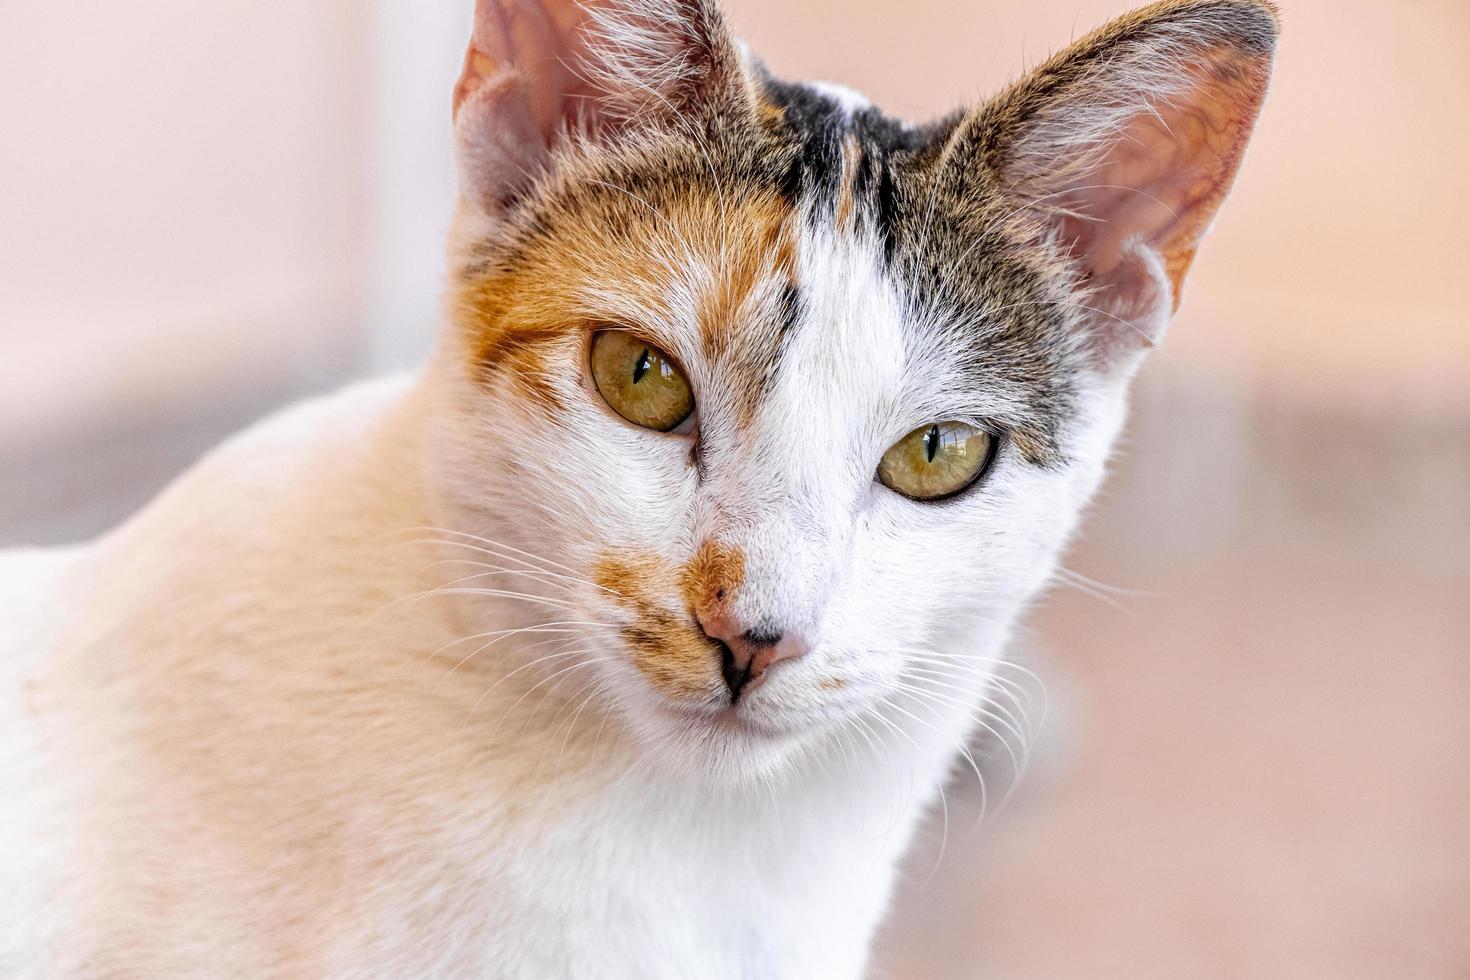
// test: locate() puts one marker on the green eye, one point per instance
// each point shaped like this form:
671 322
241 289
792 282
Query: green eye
640 381
936 461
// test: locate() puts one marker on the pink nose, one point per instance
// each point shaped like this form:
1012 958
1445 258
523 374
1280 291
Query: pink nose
746 654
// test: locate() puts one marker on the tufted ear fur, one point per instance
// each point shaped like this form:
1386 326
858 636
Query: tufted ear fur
541 74
1124 145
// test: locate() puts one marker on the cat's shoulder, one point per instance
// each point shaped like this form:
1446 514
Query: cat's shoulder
310 433
290 460
306 456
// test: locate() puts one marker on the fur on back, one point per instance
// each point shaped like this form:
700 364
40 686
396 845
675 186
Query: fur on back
421 679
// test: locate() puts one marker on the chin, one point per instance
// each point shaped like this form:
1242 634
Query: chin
731 745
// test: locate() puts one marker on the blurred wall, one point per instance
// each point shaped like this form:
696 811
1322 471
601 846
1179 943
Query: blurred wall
182 200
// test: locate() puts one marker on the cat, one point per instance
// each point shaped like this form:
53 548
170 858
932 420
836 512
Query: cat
633 634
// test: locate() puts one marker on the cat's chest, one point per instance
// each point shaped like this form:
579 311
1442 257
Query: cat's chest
614 891
677 918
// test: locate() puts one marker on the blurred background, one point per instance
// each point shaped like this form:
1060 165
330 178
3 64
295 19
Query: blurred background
1256 755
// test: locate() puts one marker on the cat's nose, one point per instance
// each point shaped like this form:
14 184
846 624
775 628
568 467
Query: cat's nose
746 654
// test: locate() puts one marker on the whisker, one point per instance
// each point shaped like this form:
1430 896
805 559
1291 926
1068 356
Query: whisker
920 695
482 541
972 703
545 680
1017 693
963 749
551 578
556 655
497 593
966 671
485 646
1096 590
602 688
554 626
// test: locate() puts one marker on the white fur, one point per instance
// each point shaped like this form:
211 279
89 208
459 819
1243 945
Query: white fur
849 100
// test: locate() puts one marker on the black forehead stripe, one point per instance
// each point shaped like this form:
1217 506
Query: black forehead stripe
888 146
815 125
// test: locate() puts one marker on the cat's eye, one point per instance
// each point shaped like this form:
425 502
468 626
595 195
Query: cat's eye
937 461
640 382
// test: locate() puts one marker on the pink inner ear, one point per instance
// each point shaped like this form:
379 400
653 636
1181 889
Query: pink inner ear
1161 182
537 42
519 86
537 70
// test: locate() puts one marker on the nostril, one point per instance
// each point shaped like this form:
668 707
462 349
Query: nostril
762 637
736 675
746 655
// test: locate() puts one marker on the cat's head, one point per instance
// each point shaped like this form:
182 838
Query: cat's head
795 404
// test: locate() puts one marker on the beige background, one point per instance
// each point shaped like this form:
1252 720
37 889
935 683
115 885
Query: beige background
1256 759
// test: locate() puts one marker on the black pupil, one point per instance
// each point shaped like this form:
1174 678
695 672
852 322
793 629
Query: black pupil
640 368
931 443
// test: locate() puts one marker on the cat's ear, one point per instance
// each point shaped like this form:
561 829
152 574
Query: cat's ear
1124 145
542 74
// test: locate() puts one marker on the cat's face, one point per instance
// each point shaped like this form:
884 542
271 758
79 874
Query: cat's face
795 405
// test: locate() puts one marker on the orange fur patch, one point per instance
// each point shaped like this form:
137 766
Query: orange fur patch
712 577
524 320
514 332
669 649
